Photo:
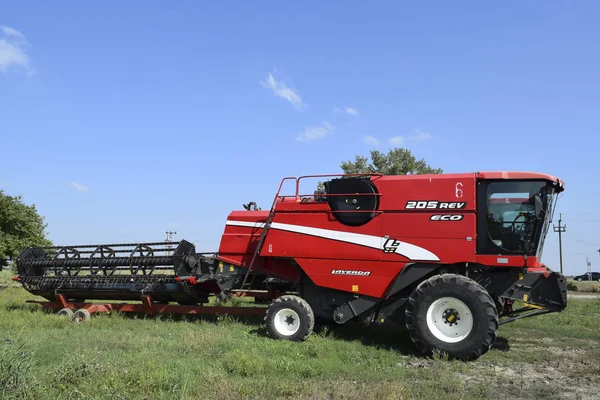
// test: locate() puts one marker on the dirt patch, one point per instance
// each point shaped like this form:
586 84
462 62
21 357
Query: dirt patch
570 374
544 370
520 381
579 295
567 381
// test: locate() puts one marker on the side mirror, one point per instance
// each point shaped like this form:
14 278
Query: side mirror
539 206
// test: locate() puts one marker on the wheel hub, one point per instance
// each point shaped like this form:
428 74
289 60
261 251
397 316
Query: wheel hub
286 321
450 316
449 319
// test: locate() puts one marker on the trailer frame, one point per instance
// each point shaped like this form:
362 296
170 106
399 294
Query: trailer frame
149 307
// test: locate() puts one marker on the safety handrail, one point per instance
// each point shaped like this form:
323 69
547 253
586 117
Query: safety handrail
297 180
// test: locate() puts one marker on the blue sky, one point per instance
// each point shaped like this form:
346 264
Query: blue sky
121 121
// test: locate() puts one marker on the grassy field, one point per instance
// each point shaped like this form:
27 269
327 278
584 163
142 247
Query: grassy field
586 286
554 356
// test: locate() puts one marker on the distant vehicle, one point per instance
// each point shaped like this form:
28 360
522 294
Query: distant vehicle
595 276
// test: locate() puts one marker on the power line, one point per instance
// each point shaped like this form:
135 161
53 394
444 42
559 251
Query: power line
579 240
583 216
579 253
582 213
586 220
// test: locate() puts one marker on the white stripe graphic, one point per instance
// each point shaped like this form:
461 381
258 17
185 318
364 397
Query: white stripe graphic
407 250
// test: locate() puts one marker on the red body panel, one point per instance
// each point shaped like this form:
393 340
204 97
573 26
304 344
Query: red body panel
376 284
309 233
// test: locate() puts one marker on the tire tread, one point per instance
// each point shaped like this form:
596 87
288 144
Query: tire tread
301 303
483 298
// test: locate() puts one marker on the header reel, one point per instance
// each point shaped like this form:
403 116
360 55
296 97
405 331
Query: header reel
108 259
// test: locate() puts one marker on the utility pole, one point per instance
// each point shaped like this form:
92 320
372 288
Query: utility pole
589 268
168 239
170 235
560 229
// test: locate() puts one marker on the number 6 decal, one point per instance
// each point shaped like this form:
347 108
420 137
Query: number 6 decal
459 191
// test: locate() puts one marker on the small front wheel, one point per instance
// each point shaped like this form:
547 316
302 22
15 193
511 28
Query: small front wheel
289 317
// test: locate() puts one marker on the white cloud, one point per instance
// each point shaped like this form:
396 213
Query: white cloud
280 89
351 111
371 141
421 136
348 110
315 132
78 186
13 50
8 31
396 141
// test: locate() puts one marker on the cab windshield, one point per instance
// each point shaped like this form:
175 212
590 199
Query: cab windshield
519 214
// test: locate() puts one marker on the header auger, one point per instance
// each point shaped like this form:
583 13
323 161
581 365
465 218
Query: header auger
447 256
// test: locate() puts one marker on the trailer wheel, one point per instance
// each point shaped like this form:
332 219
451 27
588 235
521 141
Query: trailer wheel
452 314
65 312
291 318
81 315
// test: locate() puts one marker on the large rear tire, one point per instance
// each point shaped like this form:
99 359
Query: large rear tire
291 318
453 315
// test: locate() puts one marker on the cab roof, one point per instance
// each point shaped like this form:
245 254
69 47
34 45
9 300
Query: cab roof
481 175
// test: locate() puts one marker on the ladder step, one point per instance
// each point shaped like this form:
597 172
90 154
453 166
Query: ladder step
246 285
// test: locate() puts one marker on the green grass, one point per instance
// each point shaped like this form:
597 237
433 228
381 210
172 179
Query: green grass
120 357
5 277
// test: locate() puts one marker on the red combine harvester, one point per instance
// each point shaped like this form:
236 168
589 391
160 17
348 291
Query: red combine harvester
444 255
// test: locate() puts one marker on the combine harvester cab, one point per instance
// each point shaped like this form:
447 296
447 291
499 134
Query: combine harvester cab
444 255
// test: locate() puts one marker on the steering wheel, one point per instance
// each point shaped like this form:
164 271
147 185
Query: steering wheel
527 217
514 222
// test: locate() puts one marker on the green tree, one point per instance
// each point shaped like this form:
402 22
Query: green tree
20 226
397 161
